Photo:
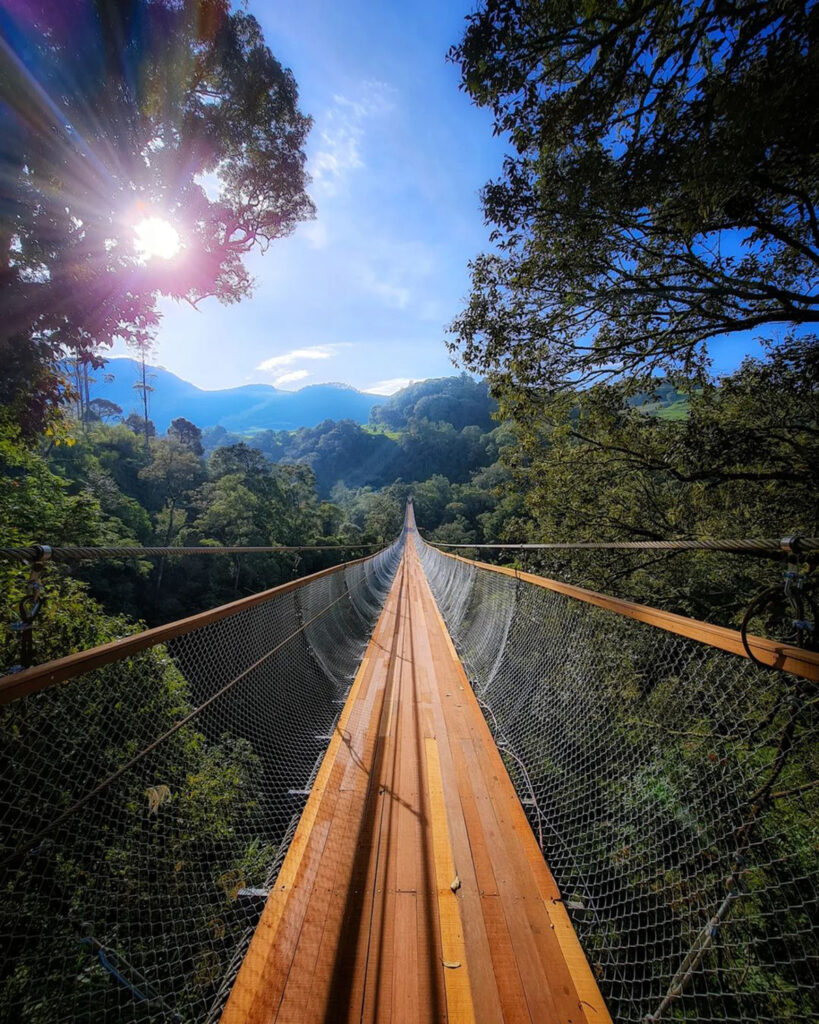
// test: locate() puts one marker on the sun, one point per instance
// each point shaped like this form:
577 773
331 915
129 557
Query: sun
156 238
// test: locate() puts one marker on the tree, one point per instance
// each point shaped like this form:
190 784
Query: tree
240 459
102 409
173 472
138 425
188 434
742 463
232 514
385 517
430 498
664 187
460 401
282 506
455 532
100 139
142 385
81 380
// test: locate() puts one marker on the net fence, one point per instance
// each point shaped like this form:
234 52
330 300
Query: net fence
673 787
147 805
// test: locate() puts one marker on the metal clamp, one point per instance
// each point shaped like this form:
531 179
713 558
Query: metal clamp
30 605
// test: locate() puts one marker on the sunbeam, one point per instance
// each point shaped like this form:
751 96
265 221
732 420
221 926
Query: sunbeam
156 238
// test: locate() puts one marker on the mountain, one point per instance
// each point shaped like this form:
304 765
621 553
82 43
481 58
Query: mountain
458 400
251 407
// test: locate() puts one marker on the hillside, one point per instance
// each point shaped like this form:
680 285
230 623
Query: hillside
458 400
240 409
665 402
438 427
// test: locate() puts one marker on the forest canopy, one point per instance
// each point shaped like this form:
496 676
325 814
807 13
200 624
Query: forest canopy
662 189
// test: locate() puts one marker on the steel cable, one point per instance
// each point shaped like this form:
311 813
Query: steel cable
760 546
35 552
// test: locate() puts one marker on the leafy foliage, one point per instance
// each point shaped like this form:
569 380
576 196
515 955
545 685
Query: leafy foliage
742 463
663 189
460 401
600 462
101 487
159 843
441 426
101 134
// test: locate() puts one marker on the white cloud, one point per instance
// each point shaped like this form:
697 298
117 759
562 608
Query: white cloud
296 355
393 295
291 378
398 273
341 133
389 386
315 232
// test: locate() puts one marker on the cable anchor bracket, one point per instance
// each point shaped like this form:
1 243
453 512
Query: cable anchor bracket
30 606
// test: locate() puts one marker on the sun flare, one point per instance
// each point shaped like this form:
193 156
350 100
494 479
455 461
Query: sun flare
156 238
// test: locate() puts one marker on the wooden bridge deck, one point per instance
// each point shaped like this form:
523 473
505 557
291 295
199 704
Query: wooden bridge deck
414 890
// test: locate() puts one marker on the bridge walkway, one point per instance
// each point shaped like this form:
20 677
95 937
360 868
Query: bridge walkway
414 889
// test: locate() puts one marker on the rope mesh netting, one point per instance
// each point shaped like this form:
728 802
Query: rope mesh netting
673 787
131 895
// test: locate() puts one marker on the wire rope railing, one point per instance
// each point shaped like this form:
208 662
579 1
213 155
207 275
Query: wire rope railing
152 786
150 790
674 782
41 552
774 547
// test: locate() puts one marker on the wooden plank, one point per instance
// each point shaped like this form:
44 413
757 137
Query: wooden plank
547 984
503 981
256 993
380 952
459 1004
349 955
304 979
504 963
504 817
407 852
585 984
485 994
307 993
415 793
364 905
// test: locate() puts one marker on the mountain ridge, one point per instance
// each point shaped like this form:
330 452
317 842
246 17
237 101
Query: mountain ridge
245 407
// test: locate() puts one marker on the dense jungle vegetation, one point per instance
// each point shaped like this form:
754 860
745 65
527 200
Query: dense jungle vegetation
616 268
732 457
659 196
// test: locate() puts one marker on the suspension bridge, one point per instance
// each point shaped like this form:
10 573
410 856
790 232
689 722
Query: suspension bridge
413 788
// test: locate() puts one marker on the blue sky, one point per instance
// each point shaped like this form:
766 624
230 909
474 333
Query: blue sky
397 153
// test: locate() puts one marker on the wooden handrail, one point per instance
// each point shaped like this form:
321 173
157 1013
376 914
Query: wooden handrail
795 660
41 677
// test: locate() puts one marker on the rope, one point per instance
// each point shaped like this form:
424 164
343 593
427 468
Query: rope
35 552
803 630
762 546
106 958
